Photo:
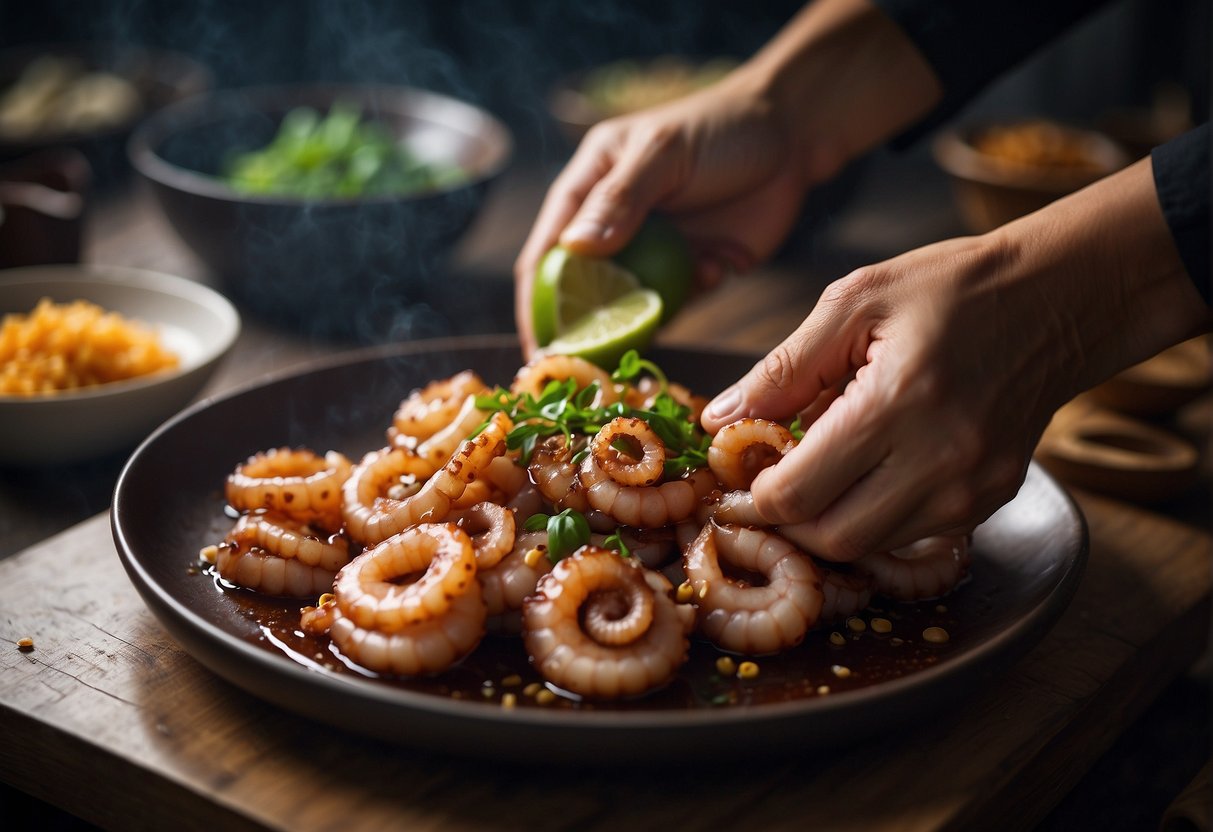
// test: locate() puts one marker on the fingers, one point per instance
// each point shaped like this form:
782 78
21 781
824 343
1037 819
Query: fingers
791 377
563 199
618 202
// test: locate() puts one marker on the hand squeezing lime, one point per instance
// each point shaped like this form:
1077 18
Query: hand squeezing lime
597 308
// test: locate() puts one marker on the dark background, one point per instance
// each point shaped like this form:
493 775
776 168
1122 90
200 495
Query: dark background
507 55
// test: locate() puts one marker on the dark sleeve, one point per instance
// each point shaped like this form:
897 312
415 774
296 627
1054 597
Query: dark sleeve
1181 177
969 42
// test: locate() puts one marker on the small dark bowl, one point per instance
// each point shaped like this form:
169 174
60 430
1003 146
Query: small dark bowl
992 190
160 77
356 269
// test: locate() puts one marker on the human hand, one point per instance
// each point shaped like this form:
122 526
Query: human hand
944 396
718 163
951 360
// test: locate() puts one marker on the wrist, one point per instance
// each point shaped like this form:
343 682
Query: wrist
840 78
1105 275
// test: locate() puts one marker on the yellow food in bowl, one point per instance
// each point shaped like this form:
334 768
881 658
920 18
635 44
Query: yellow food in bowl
73 345
1039 143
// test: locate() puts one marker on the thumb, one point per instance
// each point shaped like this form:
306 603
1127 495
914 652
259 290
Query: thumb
619 202
796 375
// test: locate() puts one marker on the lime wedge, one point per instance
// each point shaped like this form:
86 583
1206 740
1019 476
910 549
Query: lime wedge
570 286
660 257
607 332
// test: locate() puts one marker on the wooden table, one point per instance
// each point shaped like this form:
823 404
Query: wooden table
109 719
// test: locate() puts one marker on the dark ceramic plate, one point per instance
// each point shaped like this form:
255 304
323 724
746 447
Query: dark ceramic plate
1027 562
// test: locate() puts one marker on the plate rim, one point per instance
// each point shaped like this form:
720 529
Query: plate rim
1041 617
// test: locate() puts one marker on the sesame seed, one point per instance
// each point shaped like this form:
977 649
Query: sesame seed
841 671
725 666
208 554
545 697
856 625
935 635
509 700
747 670
25 644
837 639
822 690
685 592
882 625
532 557
896 642
532 689
512 681
488 691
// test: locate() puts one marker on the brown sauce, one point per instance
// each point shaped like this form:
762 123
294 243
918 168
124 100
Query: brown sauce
817 667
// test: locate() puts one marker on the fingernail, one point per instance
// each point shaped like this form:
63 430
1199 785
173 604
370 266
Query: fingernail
723 405
584 231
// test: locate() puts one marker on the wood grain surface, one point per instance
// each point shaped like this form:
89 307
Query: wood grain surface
108 718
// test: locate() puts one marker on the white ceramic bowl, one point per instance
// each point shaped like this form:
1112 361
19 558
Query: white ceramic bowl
197 323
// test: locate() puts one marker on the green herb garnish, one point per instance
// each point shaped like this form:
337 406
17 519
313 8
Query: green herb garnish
567 532
337 155
562 409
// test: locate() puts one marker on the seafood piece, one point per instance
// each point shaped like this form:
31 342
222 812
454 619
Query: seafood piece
554 474
369 595
764 614
643 506
408 629
604 628
492 529
508 583
644 395
438 447
741 449
930 568
427 410
298 483
379 482
542 370
845 592
371 519
277 555
629 451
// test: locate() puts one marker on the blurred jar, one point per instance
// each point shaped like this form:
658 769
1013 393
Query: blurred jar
42 203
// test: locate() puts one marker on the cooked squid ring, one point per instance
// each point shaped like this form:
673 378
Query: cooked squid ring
380 481
432 646
427 410
491 527
368 595
626 647
644 394
542 370
377 521
437 448
643 506
298 483
273 555
741 449
844 592
507 584
743 617
554 473
622 465
927 569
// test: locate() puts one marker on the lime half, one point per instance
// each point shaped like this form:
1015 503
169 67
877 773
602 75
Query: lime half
570 286
607 332
660 257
